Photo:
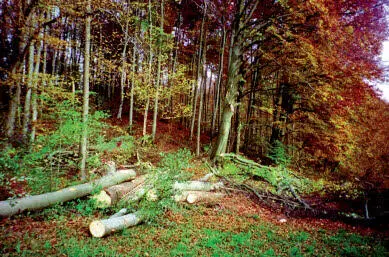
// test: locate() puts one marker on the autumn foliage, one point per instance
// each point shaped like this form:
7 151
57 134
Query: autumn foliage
292 72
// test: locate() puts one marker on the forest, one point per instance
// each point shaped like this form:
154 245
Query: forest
193 128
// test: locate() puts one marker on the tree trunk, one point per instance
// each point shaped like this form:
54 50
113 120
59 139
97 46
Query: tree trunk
219 79
156 97
123 71
34 99
197 84
131 112
85 106
100 228
36 202
234 76
27 100
13 106
145 117
202 86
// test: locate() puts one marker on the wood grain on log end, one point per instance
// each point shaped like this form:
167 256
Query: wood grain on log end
97 228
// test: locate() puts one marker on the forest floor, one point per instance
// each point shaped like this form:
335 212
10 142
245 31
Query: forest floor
237 226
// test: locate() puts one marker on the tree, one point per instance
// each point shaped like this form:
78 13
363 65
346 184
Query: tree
85 105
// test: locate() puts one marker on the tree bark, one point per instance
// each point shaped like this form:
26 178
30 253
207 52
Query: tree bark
36 202
27 100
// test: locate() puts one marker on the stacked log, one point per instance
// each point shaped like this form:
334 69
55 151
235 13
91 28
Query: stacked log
128 190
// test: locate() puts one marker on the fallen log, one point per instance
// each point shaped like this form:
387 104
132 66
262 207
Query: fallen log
198 196
100 228
196 186
35 202
113 194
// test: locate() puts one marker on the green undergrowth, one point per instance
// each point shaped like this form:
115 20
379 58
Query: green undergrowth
172 167
275 179
171 229
52 161
192 234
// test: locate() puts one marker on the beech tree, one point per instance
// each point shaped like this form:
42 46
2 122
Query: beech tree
85 104
251 75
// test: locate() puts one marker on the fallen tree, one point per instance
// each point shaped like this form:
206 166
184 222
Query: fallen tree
36 202
100 228
265 196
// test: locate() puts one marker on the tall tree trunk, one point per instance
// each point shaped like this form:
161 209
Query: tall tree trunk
123 71
35 89
202 87
27 101
145 116
218 83
156 97
13 106
197 84
131 112
249 123
85 105
234 76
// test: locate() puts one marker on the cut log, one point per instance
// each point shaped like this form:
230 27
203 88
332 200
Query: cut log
100 228
197 186
14 206
198 196
112 195
136 194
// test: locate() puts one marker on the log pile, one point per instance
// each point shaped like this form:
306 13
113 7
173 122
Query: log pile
117 186
128 190
189 191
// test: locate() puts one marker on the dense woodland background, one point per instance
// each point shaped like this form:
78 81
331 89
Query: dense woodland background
272 102
284 81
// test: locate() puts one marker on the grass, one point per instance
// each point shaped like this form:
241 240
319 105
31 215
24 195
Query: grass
193 231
